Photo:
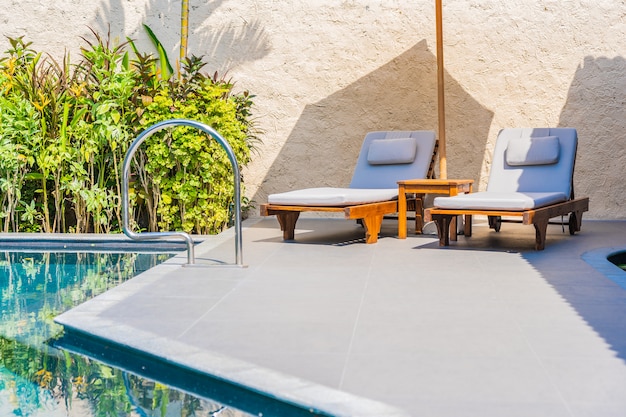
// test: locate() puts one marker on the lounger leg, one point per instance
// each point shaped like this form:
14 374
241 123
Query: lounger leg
541 228
453 231
468 225
577 221
287 221
443 228
372 227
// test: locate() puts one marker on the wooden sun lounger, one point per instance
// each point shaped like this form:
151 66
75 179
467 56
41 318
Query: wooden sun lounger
384 159
531 177
539 218
371 215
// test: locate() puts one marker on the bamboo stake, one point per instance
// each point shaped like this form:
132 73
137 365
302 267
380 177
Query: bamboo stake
184 31
443 164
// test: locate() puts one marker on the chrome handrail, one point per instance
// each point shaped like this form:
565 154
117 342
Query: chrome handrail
183 235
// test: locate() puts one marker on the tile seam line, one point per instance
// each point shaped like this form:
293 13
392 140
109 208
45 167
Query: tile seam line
222 298
532 349
544 370
356 322
203 315
519 328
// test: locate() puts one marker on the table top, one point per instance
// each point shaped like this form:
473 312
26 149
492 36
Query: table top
436 181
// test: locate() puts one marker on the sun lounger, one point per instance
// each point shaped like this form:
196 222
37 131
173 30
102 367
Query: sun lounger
384 159
531 179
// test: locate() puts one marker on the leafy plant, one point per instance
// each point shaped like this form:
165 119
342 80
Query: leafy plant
166 69
106 125
65 129
195 187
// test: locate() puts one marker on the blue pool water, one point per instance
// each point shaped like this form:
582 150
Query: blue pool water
618 259
39 380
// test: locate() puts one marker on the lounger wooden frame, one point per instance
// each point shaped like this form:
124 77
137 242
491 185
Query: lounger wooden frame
371 215
539 218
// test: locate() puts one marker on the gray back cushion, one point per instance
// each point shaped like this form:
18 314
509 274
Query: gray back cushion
533 172
392 151
535 150
405 158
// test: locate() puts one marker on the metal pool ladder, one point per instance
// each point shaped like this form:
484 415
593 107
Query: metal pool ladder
185 236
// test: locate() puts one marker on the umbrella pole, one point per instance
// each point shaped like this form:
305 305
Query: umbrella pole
441 108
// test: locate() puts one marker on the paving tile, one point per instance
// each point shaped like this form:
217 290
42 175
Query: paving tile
321 368
589 382
262 336
594 410
299 307
481 409
565 341
450 378
444 338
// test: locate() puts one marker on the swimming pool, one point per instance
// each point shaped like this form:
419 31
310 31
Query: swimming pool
37 379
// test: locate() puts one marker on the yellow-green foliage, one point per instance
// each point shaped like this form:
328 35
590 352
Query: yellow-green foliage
192 172
64 131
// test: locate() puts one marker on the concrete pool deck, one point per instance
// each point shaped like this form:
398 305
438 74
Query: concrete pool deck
485 327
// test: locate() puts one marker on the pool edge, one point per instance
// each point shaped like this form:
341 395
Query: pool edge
598 259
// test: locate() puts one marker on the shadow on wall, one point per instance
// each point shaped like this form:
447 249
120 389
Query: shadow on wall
222 48
110 18
596 107
401 95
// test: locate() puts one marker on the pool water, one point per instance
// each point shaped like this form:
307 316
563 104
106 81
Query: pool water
40 381
618 259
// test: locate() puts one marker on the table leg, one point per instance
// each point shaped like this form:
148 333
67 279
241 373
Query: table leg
468 217
452 191
401 212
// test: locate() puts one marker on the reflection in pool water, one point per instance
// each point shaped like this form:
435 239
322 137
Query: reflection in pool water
618 259
39 380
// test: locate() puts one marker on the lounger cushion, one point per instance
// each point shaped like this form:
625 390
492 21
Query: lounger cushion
533 178
329 196
499 201
366 175
533 151
392 151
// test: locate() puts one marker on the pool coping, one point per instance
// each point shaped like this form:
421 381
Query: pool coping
90 242
237 380
598 258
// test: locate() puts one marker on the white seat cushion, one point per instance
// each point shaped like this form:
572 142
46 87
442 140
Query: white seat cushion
499 201
329 196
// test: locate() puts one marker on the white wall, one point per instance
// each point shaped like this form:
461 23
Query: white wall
325 72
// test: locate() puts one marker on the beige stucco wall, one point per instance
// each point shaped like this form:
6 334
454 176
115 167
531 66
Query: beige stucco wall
325 72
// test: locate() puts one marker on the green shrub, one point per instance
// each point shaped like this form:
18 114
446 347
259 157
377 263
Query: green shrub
196 186
65 129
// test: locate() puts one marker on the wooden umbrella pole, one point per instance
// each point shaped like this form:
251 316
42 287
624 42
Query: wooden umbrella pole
443 165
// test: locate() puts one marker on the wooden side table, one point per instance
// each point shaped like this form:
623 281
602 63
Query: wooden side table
426 186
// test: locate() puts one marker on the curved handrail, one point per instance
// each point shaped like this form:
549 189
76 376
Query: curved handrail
185 236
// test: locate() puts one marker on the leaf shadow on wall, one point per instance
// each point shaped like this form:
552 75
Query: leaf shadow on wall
400 95
222 48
